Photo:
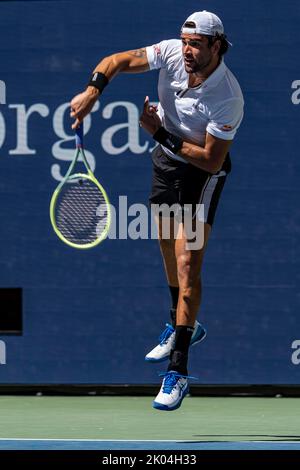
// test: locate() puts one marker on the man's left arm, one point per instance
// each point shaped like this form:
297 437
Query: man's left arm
220 131
210 157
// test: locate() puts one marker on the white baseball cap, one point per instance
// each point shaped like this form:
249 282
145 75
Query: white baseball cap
203 22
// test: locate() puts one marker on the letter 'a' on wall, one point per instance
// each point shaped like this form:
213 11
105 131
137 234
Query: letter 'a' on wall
11 310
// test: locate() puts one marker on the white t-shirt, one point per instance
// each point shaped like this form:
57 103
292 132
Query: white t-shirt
215 107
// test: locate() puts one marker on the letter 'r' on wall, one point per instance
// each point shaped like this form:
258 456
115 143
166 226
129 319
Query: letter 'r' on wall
23 116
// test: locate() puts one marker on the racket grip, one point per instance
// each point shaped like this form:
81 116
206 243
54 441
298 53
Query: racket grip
79 136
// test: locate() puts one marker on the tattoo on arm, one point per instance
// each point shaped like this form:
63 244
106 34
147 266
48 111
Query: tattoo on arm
138 53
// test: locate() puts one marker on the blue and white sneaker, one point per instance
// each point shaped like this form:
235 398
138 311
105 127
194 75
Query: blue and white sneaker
173 390
162 351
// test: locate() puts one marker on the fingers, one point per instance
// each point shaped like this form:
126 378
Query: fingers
148 108
73 115
77 118
76 123
77 112
146 104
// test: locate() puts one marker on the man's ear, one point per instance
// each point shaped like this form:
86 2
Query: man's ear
216 46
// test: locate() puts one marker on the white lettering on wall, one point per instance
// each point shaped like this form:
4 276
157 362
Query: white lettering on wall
2 92
295 358
132 126
2 130
62 149
296 95
22 126
2 352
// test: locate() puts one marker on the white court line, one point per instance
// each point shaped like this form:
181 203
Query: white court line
90 440
142 440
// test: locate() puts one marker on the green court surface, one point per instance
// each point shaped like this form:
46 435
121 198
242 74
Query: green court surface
200 419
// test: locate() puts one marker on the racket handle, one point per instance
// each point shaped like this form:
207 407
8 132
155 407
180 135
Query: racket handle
79 136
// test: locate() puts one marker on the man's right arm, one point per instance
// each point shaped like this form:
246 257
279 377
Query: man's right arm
134 61
130 61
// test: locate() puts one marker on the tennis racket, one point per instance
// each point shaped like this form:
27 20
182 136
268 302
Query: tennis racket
79 208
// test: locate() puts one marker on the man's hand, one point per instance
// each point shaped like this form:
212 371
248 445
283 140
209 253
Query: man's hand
82 104
149 119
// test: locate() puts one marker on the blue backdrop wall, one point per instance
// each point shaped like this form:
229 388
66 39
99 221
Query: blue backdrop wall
90 317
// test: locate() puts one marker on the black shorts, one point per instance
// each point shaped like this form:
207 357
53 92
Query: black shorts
180 183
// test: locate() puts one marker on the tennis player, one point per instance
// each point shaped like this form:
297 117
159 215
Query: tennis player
200 109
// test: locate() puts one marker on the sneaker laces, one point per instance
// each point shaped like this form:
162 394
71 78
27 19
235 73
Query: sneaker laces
171 379
166 334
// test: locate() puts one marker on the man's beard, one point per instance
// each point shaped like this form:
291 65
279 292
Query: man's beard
194 67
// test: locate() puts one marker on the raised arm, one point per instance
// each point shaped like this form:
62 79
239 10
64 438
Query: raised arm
130 61
134 61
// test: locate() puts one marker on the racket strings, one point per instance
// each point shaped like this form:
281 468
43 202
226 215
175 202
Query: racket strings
81 212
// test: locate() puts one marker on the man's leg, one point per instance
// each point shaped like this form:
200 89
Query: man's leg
167 248
167 232
188 263
183 269
162 351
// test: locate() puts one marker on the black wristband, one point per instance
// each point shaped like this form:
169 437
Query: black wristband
168 140
98 80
